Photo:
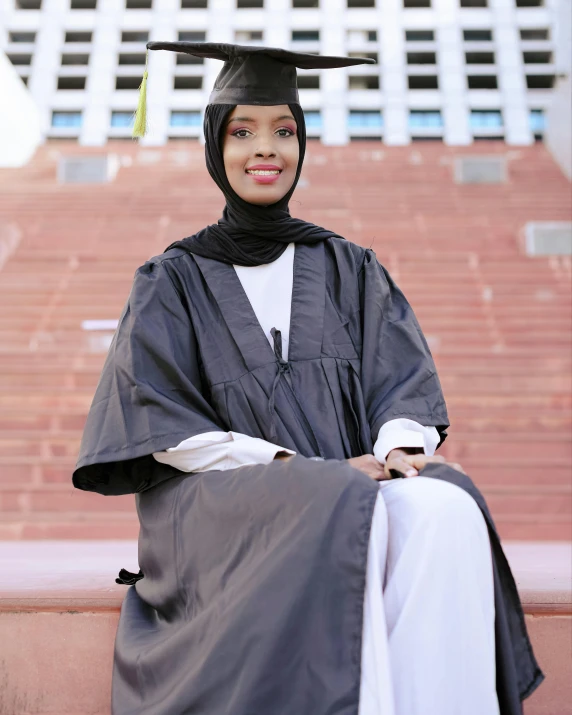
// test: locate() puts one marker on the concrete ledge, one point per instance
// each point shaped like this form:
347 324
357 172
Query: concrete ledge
59 607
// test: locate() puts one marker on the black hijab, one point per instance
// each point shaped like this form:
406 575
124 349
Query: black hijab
248 234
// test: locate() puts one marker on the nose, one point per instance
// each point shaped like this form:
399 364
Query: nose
265 148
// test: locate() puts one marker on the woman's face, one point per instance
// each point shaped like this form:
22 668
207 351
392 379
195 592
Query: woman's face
260 137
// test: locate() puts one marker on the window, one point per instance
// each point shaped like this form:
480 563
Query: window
419 35
21 37
188 83
421 58
480 58
477 35
482 82
131 58
529 3
361 3
138 4
486 119
248 36
305 3
122 120
308 81
192 36
535 34
362 35
70 83
305 35
425 119
363 82
313 119
83 4
193 5
473 3
185 119
240 4
537 121
75 59
135 36
66 119
537 58
127 82
78 37
28 4
416 3
365 119
540 81
423 82
20 59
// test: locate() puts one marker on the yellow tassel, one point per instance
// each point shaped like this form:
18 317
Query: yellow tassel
140 123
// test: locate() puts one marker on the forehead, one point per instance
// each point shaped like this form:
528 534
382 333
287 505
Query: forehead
260 113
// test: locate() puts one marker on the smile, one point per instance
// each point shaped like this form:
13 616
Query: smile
260 172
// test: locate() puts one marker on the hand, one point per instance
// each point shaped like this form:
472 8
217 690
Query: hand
369 465
410 464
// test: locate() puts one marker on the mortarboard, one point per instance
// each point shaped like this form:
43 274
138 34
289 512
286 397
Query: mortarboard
250 74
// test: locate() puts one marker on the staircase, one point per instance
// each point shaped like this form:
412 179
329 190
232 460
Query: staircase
498 322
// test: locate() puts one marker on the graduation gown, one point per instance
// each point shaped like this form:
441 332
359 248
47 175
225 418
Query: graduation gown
252 596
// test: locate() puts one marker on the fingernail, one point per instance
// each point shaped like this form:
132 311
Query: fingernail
410 473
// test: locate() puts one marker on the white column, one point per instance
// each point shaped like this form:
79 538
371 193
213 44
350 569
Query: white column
511 76
452 81
49 45
394 76
160 81
333 82
101 79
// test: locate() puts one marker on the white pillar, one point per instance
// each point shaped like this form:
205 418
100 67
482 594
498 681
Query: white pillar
512 82
394 75
452 80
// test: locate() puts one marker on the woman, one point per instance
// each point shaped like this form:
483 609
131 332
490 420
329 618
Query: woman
266 381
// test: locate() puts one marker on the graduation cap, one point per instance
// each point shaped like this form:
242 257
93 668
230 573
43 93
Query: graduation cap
250 74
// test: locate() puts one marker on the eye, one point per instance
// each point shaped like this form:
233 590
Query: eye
238 132
289 133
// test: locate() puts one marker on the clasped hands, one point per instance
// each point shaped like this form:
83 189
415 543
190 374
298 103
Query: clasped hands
408 464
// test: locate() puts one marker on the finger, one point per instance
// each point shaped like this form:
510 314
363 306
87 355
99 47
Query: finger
457 466
420 460
403 465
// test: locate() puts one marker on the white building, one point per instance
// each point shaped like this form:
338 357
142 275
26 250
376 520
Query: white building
452 70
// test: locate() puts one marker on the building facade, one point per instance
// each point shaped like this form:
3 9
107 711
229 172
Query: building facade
448 70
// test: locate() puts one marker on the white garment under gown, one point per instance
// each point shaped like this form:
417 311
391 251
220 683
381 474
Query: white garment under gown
428 633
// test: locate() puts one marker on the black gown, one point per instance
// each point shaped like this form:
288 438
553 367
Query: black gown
252 596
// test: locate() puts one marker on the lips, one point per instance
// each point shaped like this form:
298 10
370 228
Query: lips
264 178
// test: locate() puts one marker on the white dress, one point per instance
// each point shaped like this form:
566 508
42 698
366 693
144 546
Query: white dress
428 633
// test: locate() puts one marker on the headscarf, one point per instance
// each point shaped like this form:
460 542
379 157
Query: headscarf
248 234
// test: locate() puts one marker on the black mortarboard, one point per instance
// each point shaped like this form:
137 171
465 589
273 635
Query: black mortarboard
250 75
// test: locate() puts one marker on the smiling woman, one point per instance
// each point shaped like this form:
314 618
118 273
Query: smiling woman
261 152
265 378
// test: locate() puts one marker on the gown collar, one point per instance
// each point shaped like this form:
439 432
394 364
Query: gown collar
307 307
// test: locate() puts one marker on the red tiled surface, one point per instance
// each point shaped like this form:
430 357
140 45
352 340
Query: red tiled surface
498 322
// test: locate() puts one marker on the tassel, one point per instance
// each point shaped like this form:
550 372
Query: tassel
140 123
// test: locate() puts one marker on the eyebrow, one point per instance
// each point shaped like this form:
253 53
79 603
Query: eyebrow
249 119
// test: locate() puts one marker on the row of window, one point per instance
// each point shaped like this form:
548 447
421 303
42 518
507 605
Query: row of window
357 119
366 82
297 35
245 4
412 58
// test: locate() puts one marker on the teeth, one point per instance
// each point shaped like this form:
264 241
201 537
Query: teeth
259 172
